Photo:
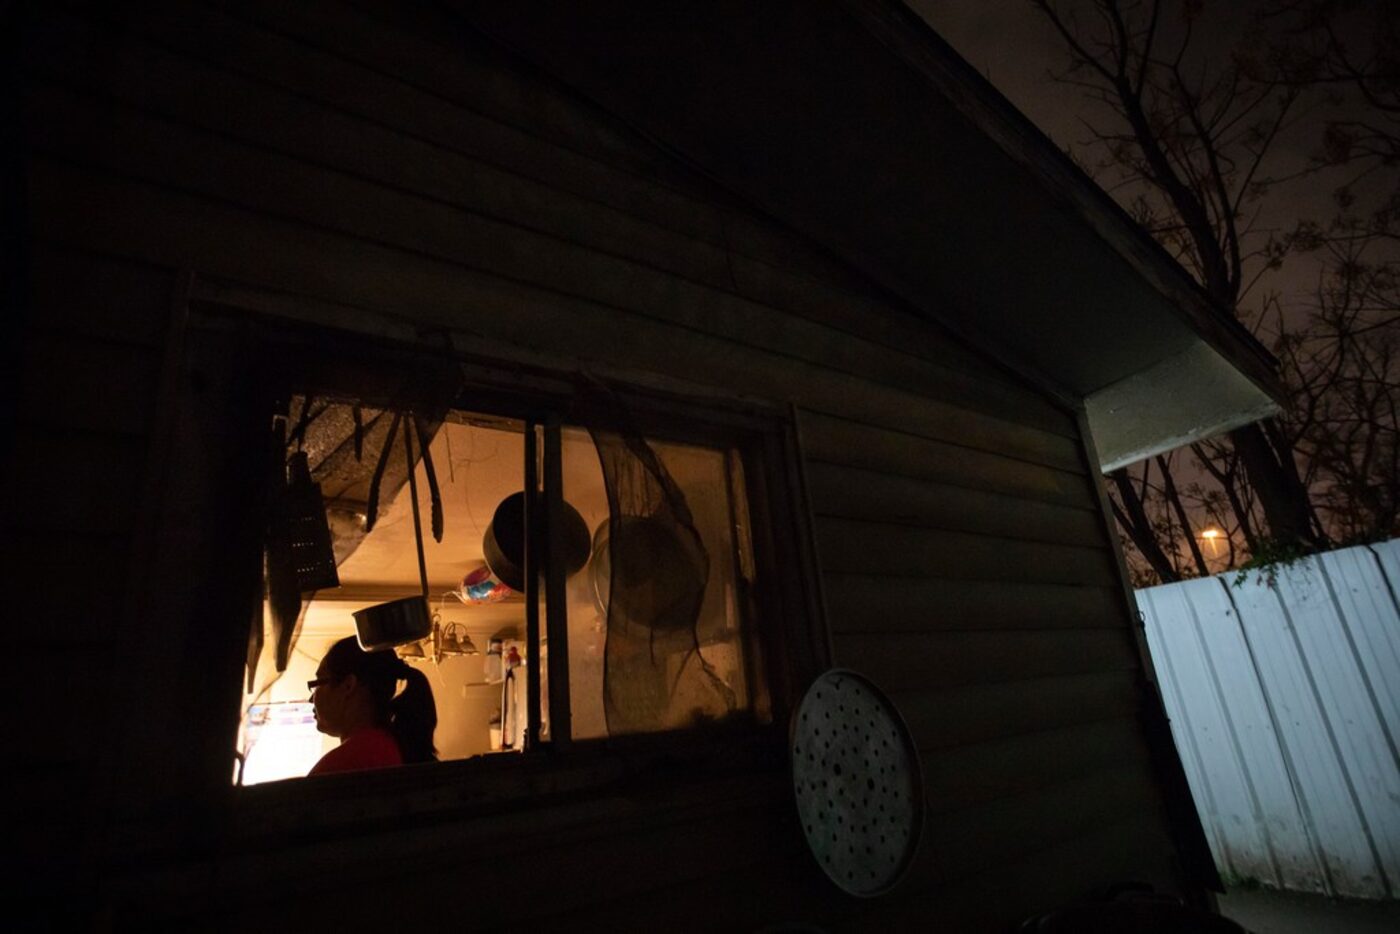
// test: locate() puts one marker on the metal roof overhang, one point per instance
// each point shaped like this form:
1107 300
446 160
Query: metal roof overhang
852 122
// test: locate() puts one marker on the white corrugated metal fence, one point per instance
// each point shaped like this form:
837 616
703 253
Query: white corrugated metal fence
1284 698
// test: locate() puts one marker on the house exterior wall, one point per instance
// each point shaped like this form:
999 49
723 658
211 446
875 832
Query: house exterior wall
370 168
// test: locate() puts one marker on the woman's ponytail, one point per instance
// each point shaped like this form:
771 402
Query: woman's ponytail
413 717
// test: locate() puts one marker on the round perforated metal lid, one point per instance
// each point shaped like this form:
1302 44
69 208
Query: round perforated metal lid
856 776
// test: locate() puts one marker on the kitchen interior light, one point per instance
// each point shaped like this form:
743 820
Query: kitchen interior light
447 639
453 639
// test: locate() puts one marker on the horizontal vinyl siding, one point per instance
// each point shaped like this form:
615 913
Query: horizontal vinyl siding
929 661
872 546
743 899
78 482
149 222
365 167
969 714
845 492
356 159
89 385
875 603
1036 875
94 297
979 588
89 371
966 777
969 842
956 461
634 852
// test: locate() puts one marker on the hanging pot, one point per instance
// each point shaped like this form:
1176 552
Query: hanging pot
659 575
397 622
504 544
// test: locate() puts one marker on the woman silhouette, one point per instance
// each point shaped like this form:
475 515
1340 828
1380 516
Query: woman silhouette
354 697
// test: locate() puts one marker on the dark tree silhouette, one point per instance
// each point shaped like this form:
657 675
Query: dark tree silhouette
1186 139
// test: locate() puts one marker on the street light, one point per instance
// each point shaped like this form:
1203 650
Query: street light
1213 535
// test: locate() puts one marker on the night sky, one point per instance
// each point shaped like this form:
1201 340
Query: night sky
1012 45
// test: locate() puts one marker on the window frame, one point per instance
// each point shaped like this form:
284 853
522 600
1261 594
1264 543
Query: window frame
789 627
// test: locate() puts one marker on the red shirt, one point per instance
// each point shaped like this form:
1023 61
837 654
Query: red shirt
370 748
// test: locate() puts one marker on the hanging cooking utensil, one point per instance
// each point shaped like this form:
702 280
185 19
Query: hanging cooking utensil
504 544
275 454
304 529
300 556
415 424
652 572
434 495
398 622
358 418
858 783
372 502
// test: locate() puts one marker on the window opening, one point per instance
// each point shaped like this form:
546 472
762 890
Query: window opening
656 628
651 541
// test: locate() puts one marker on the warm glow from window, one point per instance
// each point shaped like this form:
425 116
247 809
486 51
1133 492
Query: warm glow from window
280 741
657 638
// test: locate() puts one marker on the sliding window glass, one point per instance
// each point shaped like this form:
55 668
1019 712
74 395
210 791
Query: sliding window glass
643 543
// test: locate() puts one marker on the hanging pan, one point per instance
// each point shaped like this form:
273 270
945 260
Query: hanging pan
650 572
504 544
